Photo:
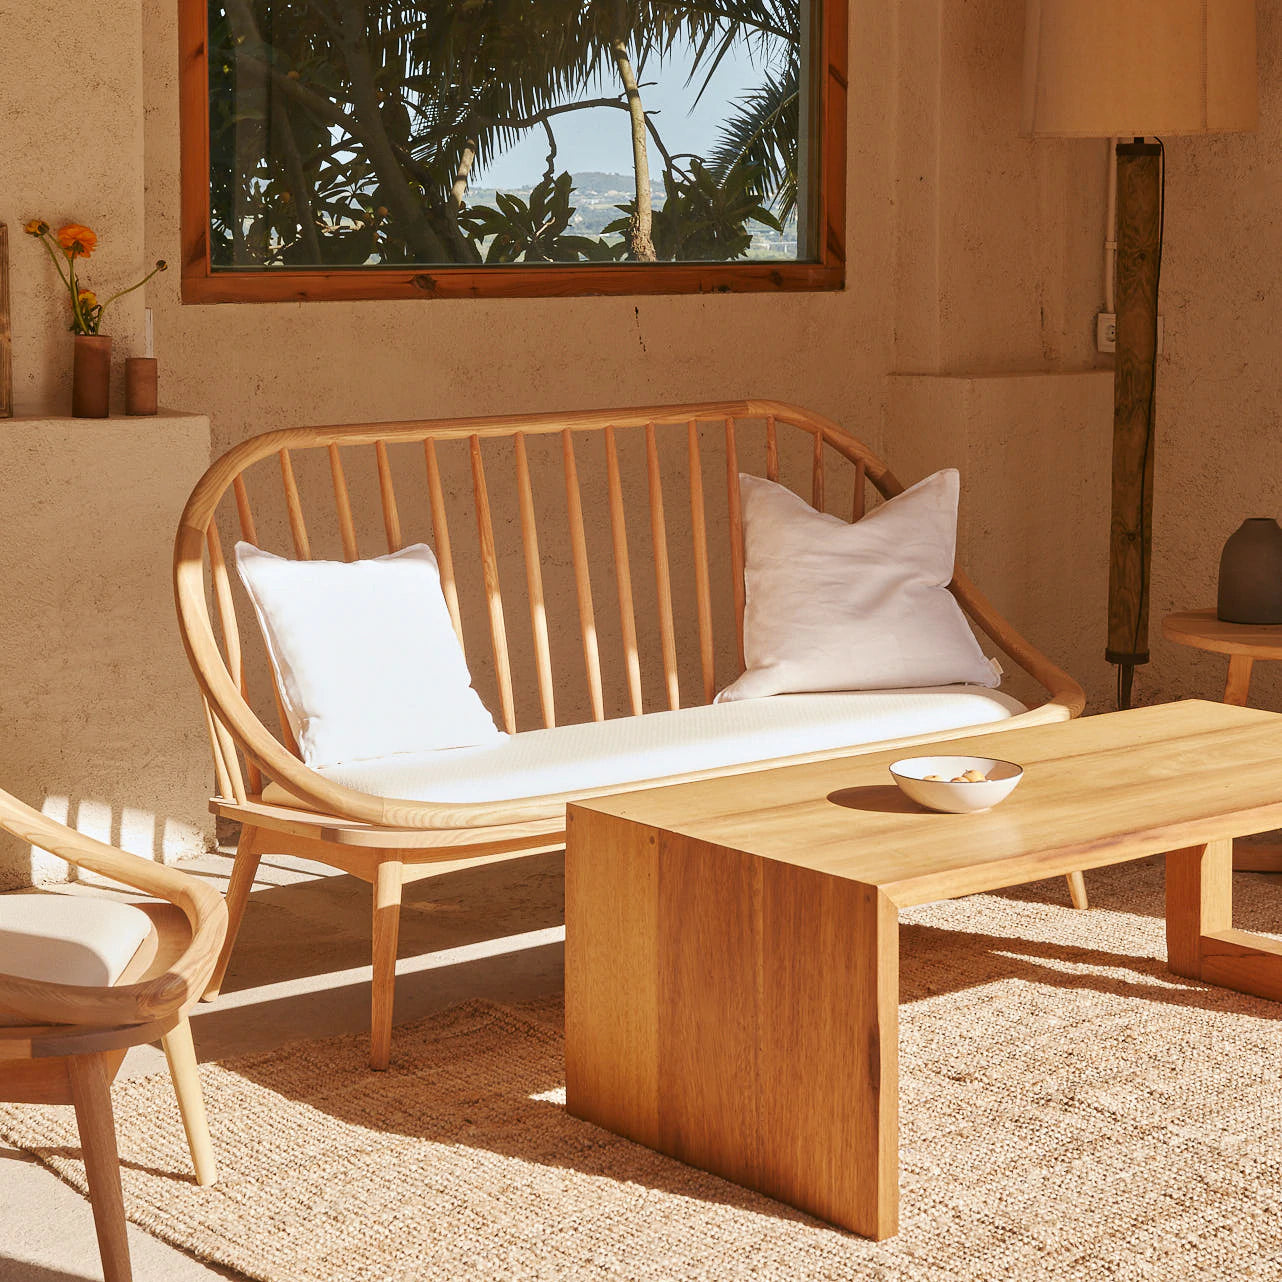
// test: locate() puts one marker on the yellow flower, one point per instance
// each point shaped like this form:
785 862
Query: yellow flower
79 241
36 227
87 298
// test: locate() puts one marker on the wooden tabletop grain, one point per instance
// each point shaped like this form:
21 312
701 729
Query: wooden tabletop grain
1099 790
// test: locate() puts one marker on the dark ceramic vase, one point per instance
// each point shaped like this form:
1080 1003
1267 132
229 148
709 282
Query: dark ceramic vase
1251 573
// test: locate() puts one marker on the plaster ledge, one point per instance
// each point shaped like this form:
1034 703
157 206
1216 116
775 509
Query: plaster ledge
113 420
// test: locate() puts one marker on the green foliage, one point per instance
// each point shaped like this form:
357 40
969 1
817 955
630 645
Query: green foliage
346 131
703 220
534 231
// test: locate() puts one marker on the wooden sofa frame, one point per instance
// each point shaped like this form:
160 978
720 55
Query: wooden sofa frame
387 841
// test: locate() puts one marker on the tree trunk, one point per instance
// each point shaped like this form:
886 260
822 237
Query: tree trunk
365 104
640 230
458 193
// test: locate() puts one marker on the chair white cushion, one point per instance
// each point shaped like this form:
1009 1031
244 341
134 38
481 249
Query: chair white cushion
70 939
836 606
365 654
600 754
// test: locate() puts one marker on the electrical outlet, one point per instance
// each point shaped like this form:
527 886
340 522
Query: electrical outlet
1106 332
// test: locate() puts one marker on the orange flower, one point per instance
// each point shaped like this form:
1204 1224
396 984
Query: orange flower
77 240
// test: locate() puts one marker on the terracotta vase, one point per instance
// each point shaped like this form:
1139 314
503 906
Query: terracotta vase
1250 587
91 376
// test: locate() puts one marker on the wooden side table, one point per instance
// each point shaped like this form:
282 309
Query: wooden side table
1243 643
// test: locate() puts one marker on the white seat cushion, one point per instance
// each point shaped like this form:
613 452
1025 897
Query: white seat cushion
600 754
70 939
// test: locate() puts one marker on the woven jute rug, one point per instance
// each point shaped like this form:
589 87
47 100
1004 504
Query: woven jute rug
1069 1111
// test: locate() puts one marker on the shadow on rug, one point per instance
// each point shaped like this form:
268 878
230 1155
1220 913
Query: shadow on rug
1069 1111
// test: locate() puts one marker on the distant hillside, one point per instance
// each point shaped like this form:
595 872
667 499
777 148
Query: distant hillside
597 197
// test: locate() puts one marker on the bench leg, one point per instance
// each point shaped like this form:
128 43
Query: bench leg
248 853
1077 890
91 1094
388 882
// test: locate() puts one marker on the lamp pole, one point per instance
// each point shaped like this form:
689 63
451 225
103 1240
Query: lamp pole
1139 221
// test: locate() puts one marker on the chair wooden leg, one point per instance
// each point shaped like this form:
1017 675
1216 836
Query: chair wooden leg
248 854
91 1094
1077 890
181 1055
387 920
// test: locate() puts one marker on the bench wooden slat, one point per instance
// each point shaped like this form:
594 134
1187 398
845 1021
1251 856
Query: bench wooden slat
343 506
441 539
287 736
387 495
226 758
662 574
772 449
534 583
623 574
297 526
736 532
582 577
493 591
247 531
817 475
857 505
230 629
702 579
221 774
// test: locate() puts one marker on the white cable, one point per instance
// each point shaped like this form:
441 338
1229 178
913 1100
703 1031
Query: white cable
1110 228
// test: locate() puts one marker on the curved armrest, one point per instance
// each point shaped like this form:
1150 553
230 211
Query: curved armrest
1063 690
143 1002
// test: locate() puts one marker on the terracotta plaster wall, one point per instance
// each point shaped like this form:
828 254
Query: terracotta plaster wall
264 365
71 150
1219 398
100 717
998 238
970 250
999 272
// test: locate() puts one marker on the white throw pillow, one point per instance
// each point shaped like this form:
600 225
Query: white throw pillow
365 655
836 606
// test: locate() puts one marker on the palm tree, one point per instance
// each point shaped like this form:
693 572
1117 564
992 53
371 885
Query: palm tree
345 130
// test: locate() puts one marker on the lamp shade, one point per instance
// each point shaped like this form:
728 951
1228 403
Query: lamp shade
1105 68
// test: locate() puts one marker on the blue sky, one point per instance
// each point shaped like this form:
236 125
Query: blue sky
598 138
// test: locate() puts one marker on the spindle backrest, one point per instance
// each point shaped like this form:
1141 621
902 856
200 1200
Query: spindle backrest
540 510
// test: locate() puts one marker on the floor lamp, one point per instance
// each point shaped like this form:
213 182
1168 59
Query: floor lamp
1136 69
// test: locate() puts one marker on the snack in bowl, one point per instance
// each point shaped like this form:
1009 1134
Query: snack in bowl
956 785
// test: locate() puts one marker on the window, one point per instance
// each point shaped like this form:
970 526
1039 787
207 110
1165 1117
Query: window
473 148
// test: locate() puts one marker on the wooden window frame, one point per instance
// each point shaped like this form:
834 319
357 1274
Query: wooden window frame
201 284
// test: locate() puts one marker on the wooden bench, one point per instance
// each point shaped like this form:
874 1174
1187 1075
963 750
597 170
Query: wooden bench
552 503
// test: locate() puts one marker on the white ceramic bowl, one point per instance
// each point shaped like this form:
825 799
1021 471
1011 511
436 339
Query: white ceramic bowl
956 798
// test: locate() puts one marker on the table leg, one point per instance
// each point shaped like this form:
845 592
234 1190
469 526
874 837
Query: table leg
1249 856
737 1014
1238 684
1200 940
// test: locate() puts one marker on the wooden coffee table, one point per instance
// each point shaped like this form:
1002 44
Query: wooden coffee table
732 960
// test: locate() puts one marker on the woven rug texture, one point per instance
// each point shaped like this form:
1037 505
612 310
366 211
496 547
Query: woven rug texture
1069 1111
